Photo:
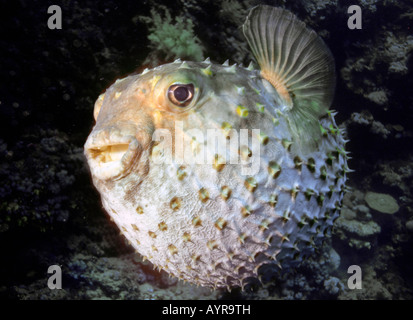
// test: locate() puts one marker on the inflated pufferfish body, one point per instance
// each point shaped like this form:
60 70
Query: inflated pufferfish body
211 171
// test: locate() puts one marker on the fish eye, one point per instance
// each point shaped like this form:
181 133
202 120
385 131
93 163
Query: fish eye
181 94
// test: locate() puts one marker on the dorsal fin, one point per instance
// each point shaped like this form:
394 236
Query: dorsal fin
297 63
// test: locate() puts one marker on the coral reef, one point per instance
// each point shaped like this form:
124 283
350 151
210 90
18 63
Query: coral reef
98 264
381 241
397 174
381 202
355 225
390 51
171 38
383 57
39 174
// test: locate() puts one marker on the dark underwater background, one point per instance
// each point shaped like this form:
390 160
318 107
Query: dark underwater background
51 214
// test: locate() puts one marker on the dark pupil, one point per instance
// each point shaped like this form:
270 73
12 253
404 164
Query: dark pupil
181 93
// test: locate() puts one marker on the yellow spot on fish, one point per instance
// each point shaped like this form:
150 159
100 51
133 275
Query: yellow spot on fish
242 111
294 192
251 184
245 152
186 237
298 162
100 98
242 237
172 249
181 173
175 203
220 223
302 222
117 94
323 131
203 195
195 146
264 225
214 267
156 150
157 116
274 169
134 227
195 258
260 106
246 211
264 138
268 240
139 210
286 215
320 199
98 105
207 71
152 234
308 193
285 239
219 162
162 226
154 80
286 144
225 193
240 90
323 173
212 244
184 65
196 221
230 254
330 159
226 127
273 200
311 165
231 69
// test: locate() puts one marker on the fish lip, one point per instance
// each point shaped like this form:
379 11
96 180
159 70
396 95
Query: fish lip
117 169
131 158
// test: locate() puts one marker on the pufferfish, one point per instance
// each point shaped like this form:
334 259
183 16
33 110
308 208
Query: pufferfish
214 171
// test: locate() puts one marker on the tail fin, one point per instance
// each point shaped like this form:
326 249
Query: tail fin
297 63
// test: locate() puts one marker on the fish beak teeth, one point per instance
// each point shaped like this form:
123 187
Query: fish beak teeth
112 160
110 153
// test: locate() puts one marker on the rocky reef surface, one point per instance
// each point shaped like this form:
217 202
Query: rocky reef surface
51 214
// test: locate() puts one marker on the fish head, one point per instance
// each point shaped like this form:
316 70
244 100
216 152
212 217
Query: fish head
133 114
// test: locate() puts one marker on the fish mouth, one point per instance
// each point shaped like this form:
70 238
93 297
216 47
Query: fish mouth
112 160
